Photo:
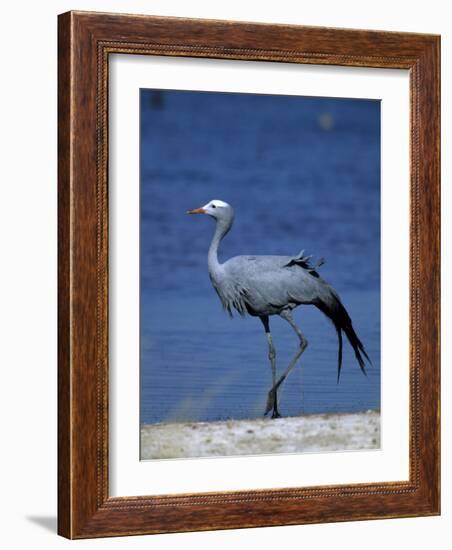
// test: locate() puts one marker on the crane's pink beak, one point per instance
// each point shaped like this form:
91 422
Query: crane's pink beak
196 211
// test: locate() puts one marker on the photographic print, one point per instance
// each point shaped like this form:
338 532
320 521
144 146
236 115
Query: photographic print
228 232
259 274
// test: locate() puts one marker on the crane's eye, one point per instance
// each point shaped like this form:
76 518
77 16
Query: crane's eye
213 205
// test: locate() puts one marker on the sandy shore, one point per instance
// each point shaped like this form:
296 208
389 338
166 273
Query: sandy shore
313 433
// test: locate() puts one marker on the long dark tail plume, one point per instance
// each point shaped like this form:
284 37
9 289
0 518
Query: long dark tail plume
334 310
339 352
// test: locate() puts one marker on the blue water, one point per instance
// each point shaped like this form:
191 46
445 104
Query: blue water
301 173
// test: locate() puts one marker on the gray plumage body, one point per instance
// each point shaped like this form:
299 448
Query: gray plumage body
274 285
265 285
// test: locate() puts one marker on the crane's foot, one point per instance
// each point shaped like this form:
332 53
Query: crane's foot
271 401
272 404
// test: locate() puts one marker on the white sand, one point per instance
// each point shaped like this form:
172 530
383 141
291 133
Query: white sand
313 433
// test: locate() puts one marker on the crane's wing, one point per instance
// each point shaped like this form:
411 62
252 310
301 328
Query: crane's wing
265 284
305 262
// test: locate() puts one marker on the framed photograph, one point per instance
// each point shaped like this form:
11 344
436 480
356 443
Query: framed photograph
248 275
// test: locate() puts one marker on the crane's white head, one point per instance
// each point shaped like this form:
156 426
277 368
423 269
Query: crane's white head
217 209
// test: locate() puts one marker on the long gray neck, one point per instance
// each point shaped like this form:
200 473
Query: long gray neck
222 227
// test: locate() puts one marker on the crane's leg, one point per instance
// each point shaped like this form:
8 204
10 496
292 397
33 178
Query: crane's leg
272 358
287 315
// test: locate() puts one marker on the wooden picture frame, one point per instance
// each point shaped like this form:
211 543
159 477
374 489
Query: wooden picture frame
85 42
